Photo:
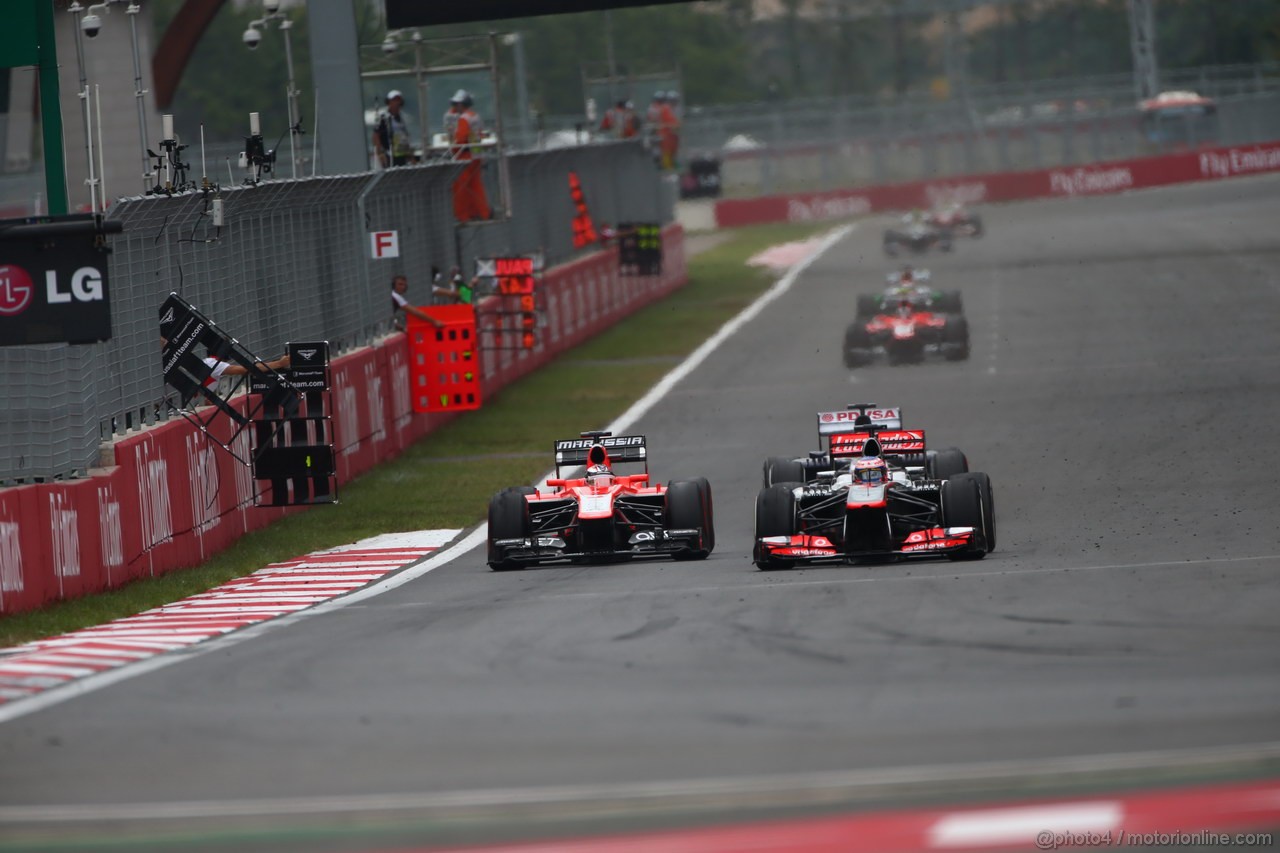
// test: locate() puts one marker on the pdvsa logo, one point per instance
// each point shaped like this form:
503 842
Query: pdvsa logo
16 290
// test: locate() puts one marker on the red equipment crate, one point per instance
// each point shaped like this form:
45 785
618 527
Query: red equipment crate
444 364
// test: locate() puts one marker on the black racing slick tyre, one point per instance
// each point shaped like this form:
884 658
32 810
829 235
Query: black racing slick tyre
955 338
988 505
857 346
946 463
780 469
508 519
775 516
708 506
686 509
975 225
962 507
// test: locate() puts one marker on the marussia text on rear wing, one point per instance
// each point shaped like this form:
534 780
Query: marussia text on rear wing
621 448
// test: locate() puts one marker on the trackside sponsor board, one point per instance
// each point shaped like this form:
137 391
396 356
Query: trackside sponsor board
1093 179
1239 161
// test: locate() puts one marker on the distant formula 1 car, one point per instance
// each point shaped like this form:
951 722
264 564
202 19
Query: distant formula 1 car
913 285
600 516
864 418
906 335
864 509
957 219
916 236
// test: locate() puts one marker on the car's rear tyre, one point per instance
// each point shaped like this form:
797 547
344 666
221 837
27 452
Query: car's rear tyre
988 505
857 346
708 506
780 469
686 509
962 507
975 225
775 516
508 519
955 338
946 463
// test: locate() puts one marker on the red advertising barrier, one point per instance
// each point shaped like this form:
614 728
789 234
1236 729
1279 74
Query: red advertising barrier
1094 179
174 497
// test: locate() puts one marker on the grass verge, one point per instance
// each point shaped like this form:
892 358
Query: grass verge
446 479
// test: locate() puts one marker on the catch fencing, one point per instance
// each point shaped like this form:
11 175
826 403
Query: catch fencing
820 144
291 262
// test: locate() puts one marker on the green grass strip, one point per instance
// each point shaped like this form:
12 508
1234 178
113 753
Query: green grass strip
446 478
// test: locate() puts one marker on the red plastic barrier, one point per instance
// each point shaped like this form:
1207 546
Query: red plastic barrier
174 498
1095 179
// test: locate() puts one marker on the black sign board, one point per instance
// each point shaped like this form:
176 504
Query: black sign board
53 280
194 352
640 248
293 441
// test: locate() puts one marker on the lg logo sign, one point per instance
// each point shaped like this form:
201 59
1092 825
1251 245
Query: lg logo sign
17 289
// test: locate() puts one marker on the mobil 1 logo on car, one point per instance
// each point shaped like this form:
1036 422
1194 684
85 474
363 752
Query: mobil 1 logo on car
53 283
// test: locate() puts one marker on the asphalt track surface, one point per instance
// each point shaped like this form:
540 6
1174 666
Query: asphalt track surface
1123 394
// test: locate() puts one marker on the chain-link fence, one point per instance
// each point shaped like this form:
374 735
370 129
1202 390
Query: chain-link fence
820 144
291 262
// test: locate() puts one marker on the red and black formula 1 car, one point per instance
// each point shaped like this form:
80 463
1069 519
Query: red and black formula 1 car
864 418
957 220
865 509
600 516
907 334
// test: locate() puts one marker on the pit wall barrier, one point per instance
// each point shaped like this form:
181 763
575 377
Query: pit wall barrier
174 498
1096 179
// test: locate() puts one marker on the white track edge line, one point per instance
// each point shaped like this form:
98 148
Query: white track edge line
656 791
16 708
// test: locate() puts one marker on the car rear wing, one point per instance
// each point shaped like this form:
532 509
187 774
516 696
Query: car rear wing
845 420
572 452
902 442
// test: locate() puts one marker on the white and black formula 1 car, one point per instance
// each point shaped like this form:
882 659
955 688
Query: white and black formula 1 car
917 236
864 418
862 508
600 516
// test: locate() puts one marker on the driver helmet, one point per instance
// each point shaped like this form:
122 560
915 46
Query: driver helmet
908 274
600 475
905 308
870 471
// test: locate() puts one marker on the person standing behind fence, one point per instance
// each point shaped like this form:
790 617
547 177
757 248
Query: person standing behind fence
400 304
621 121
669 130
470 201
653 121
391 137
456 291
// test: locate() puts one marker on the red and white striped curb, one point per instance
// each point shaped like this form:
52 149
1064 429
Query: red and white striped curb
786 255
1204 817
280 588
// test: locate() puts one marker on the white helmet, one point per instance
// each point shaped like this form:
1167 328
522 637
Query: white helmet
599 475
870 471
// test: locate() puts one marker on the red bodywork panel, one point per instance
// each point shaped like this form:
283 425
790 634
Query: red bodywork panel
596 502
